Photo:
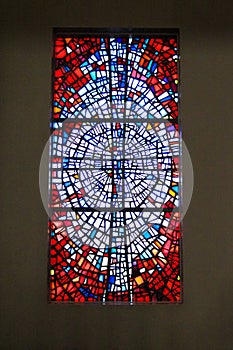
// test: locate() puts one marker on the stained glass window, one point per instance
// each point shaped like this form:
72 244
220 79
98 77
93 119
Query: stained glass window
114 228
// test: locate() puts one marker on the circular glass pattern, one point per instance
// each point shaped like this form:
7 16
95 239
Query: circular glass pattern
116 179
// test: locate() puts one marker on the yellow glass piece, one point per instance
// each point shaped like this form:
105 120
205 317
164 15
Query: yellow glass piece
139 280
172 193
76 279
51 272
163 260
149 127
178 278
158 244
76 176
154 251
57 110
72 244
80 261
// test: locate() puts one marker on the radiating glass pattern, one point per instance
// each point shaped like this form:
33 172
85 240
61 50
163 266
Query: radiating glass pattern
114 231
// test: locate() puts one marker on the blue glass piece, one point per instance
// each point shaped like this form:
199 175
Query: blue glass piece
97 55
146 254
84 64
93 233
67 269
93 75
71 250
146 234
101 278
153 66
156 227
67 68
165 99
112 279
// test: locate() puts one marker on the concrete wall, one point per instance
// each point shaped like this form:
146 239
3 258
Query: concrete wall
203 321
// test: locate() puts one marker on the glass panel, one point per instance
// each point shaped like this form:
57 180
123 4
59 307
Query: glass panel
115 168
